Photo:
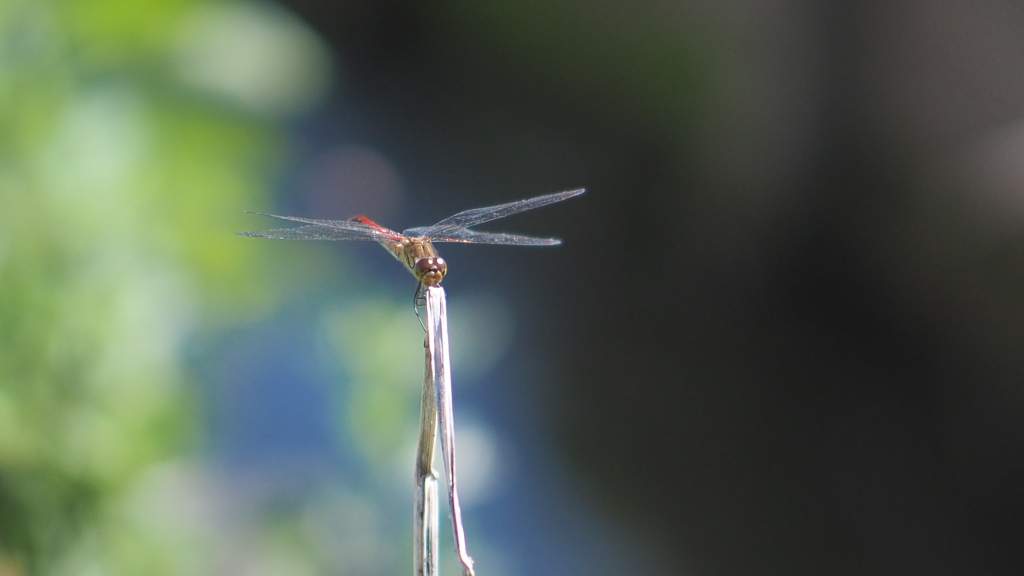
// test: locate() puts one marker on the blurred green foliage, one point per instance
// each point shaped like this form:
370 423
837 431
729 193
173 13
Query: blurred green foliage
380 352
120 185
132 137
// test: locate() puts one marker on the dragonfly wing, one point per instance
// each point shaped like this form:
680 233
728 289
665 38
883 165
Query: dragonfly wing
480 215
315 232
472 237
324 230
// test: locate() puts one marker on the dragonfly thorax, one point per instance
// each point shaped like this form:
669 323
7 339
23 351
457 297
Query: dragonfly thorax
421 258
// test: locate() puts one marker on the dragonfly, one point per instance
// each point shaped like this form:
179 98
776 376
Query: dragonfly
414 247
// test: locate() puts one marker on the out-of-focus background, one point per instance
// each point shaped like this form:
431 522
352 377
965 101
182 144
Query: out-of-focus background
784 335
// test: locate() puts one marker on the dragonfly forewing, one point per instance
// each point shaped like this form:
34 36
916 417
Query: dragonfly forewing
324 230
476 216
467 236
315 232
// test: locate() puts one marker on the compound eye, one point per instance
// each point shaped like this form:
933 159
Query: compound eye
431 270
424 266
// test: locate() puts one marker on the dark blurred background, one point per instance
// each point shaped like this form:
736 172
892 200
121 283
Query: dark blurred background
783 335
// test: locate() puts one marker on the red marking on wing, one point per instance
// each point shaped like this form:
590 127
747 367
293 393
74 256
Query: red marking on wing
386 232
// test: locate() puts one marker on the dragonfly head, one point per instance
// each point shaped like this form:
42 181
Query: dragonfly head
430 270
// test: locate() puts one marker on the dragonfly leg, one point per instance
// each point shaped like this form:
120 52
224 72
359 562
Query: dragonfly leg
419 300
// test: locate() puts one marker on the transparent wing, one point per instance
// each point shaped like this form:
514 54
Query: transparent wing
324 230
313 232
471 237
480 215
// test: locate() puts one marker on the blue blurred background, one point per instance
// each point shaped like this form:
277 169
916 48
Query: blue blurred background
784 333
